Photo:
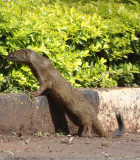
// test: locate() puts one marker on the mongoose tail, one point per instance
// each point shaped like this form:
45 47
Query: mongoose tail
121 127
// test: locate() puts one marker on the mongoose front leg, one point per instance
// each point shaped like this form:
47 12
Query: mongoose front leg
42 89
80 131
88 132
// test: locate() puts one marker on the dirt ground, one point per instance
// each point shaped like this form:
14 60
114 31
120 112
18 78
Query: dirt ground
57 147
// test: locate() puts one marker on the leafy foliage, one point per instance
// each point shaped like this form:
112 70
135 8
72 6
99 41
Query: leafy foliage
93 44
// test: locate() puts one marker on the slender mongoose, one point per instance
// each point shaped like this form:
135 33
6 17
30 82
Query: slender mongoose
70 99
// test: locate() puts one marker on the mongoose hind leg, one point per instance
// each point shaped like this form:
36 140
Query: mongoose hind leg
97 127
100 130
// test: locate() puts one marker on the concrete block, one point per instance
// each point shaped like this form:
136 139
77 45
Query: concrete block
20 113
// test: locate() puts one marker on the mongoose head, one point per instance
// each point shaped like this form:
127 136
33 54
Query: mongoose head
19 56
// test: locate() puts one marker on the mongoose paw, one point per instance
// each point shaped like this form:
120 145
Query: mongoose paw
35 94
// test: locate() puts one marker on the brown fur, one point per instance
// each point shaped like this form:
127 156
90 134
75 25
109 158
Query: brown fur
70 99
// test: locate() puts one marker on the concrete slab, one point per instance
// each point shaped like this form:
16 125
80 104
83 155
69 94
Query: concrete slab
20 113
123 100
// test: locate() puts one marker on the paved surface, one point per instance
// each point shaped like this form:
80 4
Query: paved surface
55 147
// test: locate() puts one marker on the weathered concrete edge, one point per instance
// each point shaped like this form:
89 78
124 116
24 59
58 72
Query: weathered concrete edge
20 113
123 100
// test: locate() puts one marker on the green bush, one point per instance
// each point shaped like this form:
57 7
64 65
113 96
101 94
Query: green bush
93 44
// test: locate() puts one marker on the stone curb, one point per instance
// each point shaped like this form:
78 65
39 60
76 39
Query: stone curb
123 100
19 113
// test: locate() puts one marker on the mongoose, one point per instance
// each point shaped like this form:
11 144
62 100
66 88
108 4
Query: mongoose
70 99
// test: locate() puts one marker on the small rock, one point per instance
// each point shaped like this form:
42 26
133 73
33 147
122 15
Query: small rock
107 155
27 141
106 144
70 139
69 135
66 141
